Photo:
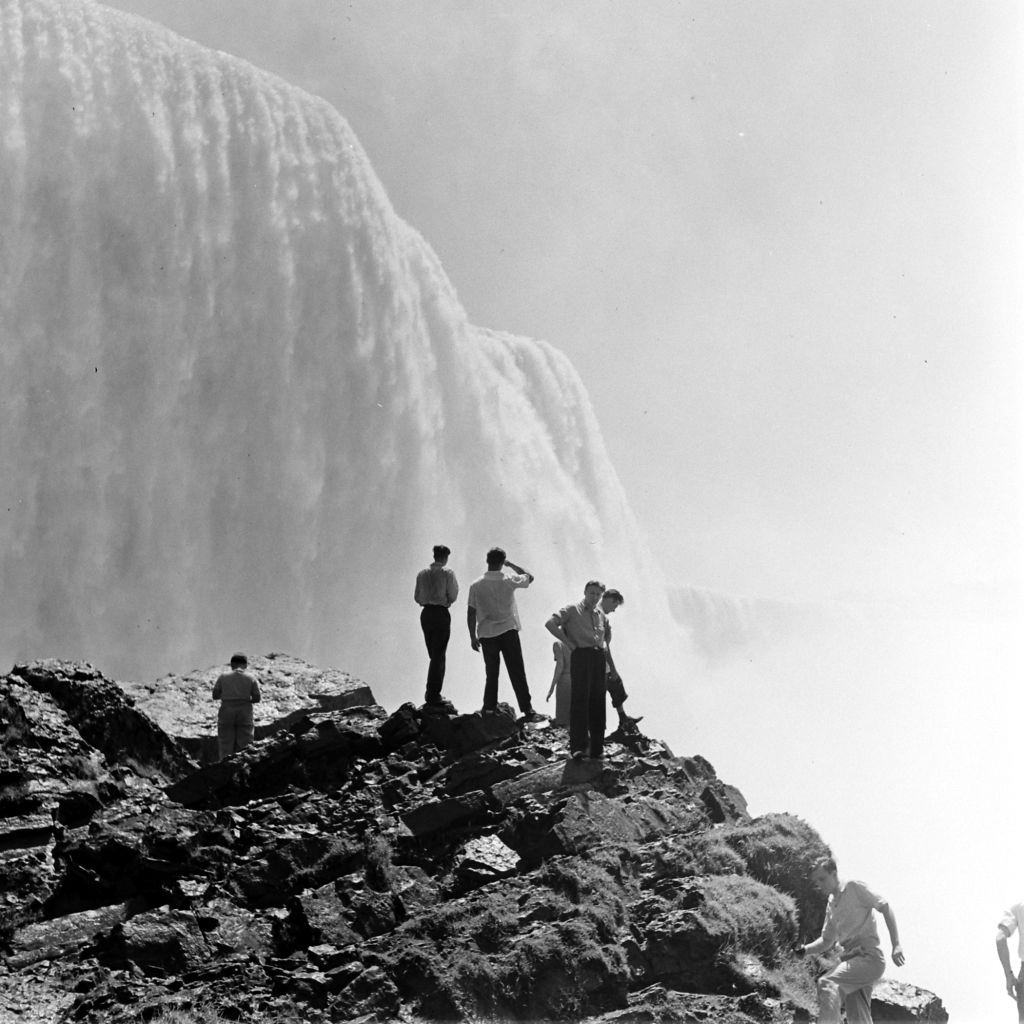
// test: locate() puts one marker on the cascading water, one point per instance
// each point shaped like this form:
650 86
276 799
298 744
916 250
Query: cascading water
240 399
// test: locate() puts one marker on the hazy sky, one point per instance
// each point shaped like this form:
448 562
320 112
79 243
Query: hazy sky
782 243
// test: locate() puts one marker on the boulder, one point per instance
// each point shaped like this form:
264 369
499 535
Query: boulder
478 730
316 752
896 1001
439 815
99 714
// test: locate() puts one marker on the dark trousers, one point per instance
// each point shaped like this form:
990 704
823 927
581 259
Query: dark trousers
586 701
507 646
436 623
234 727
617 692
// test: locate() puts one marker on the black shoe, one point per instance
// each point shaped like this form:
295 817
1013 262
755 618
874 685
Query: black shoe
488 712
534 716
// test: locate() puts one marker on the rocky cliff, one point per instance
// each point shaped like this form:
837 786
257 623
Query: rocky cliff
359 865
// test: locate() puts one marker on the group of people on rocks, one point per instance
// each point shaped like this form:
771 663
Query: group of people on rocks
584 672
584 668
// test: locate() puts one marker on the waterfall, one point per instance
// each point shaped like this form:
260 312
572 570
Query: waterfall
240 399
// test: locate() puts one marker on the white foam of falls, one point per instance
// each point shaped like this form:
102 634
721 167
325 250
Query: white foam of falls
726 626
239 398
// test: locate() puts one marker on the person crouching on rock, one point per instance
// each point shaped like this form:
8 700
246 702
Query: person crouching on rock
237 691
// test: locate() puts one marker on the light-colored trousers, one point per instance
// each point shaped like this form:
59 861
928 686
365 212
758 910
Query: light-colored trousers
234 726
849 984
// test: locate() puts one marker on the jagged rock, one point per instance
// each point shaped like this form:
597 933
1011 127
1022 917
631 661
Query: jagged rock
724 803
371 992
592 818
400 727
472 732
658 1005
60 937
436 723
317 752
437 815
478 770
233 930
290 689
692 922
417 890
165 941
100 714
314 918
483 860
357 866
896 1001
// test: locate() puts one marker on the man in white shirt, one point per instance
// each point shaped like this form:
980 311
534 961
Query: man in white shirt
436 591
1012 921
850 926
493 621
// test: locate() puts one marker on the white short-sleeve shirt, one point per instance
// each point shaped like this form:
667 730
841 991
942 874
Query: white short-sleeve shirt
493 596
1013 921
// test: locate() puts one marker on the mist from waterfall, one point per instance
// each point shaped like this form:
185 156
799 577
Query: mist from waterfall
240 399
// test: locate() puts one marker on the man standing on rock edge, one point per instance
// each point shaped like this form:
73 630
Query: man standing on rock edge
850 925
583 628
1012 921
436 591
493 621
237 691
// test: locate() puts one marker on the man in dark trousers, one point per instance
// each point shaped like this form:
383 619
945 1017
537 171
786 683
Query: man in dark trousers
610 600
436 591
583 628
237 691
493 621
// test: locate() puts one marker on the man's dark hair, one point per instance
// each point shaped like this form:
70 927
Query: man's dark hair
825 864
496 558
441 551
615 595
594 583
239 660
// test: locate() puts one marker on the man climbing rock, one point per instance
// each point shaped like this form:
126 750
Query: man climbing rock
850 927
